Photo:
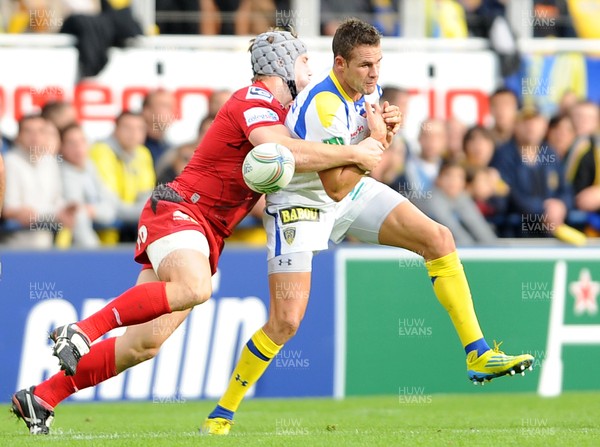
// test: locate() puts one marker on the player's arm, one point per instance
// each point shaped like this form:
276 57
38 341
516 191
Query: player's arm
338 182
313 156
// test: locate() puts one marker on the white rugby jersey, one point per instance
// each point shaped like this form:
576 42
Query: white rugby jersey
322 112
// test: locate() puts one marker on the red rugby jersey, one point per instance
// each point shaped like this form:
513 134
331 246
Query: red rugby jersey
213 180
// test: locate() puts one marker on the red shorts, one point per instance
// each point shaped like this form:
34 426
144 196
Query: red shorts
171 217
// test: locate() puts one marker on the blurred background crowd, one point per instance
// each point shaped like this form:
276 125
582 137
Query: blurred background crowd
527 172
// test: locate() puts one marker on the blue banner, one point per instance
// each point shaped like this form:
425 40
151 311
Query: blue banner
43 290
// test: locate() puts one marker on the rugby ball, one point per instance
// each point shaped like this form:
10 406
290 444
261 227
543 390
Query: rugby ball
268 168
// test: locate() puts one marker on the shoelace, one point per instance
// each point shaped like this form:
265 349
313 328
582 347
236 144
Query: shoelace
496 347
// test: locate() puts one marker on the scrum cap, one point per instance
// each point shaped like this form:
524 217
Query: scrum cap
274 53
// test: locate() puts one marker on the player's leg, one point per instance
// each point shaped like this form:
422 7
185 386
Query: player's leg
389 219
106 359
185 281
289 292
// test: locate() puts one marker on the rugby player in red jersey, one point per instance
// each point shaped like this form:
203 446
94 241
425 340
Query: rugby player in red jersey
183 226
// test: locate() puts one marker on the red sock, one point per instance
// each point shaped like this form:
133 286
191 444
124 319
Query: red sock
140 304
96 366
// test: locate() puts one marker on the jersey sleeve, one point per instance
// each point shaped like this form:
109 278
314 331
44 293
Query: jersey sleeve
256 108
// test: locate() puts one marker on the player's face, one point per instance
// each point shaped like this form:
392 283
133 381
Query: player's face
361 71
302 72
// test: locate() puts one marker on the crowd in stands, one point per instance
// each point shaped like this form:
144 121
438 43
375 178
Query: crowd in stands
444 18
522 176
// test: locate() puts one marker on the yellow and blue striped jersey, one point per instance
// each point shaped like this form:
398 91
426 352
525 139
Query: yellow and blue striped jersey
322 112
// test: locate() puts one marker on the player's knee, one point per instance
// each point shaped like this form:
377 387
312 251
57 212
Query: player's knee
197 292
287 326
440 242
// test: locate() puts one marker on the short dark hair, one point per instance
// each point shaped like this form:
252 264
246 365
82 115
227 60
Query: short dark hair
474 131
352 33
150 96
503 91
125 114
68 128
53 107
390 91
30 117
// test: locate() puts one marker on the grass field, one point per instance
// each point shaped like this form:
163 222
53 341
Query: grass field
438 420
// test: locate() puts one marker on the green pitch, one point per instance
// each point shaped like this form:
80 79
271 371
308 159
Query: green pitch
436 420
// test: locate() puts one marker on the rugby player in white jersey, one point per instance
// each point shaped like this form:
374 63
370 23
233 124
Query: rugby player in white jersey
315 208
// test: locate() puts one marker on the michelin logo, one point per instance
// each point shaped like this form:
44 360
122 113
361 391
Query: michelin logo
260 115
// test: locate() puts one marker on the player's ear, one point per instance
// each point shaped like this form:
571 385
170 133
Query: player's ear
339 62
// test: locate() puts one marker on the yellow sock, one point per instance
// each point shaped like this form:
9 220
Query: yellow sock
255 357
452 290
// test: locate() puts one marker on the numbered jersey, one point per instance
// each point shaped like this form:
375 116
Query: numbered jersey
322 112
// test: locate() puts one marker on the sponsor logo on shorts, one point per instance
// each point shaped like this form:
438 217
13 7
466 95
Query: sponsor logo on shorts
260 115
299 214
178 215
289 234
259 93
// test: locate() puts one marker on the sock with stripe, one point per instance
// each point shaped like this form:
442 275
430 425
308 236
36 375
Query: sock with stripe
452 290
254 360
140 304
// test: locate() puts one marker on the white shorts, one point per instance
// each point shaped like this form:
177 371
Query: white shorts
292 228
186 239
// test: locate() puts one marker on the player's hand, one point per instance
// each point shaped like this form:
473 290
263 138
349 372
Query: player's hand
376 123
392 117
368 154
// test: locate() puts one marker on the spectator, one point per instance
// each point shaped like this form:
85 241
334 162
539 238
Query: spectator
183 154
254 17
585 116
163 167
333 11
585 16
450 205
538 194
484 183
561 137
125 166
59 113
216 101
455 129
33 200
158 111
567 101
422 170
203 127
550 18
488 191
241 17
446 19
504 106
400 97
82 185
